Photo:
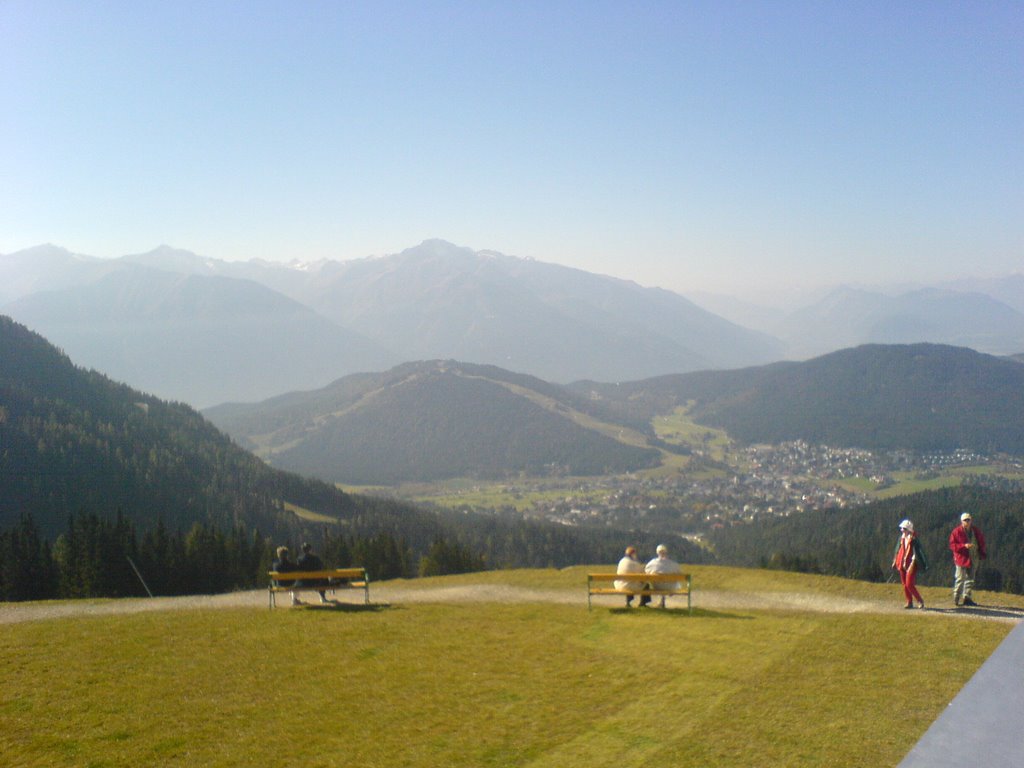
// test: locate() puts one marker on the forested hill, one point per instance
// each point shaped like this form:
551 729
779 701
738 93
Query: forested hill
434 420
73 440
879 397
859 543
75 443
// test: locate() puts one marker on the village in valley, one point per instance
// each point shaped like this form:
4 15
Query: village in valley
751 483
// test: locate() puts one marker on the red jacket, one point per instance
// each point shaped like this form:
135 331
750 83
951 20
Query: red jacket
958 541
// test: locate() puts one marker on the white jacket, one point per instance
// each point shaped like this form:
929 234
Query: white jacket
628 565
663 565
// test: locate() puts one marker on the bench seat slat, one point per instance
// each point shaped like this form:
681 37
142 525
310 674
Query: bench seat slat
330 573
308 587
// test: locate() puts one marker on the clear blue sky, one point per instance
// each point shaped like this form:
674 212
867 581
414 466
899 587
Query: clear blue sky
690 145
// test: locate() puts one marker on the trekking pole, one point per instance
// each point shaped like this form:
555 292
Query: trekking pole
139 575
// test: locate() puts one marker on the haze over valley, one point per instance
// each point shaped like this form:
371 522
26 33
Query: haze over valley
206 331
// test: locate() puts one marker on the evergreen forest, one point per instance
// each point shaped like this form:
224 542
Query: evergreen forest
860 543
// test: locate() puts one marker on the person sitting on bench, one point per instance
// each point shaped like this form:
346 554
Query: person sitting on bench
629 564
661 564
310 562
284 564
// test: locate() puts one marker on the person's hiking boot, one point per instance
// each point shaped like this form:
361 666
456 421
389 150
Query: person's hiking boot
908 606
921 605
968 601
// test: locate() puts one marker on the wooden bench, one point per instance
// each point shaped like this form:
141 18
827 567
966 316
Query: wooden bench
601 584
328 580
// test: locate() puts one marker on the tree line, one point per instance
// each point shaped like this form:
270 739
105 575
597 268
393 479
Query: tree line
102 557
860 543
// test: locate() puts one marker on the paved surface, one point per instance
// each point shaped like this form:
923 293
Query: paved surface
984 724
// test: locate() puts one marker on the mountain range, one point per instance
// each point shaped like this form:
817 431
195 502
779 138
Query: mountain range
206 331
178 335
442 419
985 315
848 317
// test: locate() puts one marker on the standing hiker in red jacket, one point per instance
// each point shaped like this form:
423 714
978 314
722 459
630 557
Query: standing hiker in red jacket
968 546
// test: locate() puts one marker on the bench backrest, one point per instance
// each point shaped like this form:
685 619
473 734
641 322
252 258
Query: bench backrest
330 573
651 578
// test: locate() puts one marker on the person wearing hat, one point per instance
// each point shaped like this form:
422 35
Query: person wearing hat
661 564
908 558
629 564
968 546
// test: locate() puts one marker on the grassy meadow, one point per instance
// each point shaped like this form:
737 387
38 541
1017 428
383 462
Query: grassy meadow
419 683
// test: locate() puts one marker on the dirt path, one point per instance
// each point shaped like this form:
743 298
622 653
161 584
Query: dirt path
384 595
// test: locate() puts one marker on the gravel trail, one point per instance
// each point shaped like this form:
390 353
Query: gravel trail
11 613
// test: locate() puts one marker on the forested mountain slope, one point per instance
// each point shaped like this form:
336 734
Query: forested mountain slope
73 440
430 421
880 397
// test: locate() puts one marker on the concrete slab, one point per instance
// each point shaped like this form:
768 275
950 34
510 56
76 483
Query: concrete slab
984 724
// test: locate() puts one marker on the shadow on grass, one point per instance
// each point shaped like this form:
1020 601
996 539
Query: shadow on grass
679 613
981 611
335 607
990 611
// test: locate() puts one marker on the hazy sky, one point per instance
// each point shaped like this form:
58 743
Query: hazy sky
689 145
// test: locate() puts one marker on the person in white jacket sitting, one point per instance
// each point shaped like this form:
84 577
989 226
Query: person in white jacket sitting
661 564
629 564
